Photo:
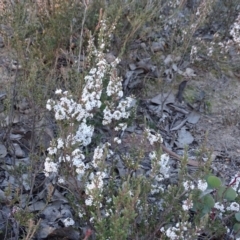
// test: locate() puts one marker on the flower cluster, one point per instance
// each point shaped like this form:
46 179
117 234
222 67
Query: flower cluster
93 84
68 110
235 31
176 232
119 112
153 138
161 173
187 204
68 222
94 187
76 132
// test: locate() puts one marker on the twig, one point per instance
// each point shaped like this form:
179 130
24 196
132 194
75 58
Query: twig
81 34
179 158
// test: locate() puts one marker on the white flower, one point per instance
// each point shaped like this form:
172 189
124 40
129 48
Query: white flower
152 155
171 233
68 222
52 150
120 94
95 183
219 206
93 71
49 104
233 207
164 165
89 201
188 185
187 204
121 126
107 116
117 140
117 115
153 138
61 180
58 91
78 161
81 214
84 134
50 166
156 188
60 143
98 154
202 185
80 171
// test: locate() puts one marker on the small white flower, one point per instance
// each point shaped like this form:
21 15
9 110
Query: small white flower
164 165
188 185
48 105
93 71
61 180
68 222
89 201
60 143
52 150
202 185
171 233
117 140
219 206
153 138
50 166
152 155
187 204
80 215
58 91
233 207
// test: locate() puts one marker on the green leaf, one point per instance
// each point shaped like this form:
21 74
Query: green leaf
214 182
206 210
209 201
230 194
220 191
236 227
237 216
207 176
197 206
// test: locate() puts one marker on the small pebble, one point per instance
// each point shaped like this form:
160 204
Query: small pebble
1 42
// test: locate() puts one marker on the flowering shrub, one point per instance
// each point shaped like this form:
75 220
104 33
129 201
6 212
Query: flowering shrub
106 201
119 203
119 206
132 204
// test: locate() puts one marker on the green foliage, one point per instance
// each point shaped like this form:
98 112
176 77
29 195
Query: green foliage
213 182
237 216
